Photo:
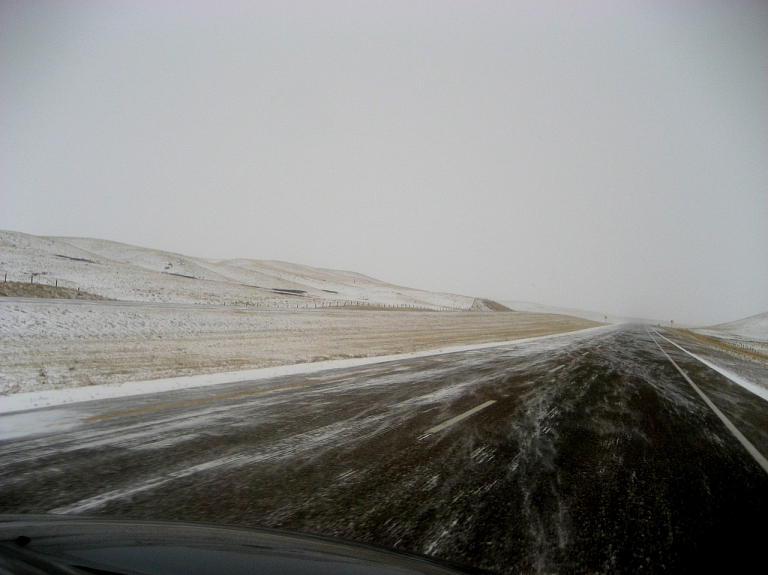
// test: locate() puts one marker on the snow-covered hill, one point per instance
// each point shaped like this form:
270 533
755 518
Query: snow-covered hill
750 333
124 272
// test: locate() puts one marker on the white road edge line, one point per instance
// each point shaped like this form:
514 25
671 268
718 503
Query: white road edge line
459 417
555 369
762 461
738 380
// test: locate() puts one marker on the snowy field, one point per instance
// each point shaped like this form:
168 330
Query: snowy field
51 344
175 315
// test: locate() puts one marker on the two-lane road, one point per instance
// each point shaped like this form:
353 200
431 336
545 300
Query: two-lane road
586 452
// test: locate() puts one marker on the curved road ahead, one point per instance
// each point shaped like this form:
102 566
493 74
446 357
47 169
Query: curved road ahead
581 453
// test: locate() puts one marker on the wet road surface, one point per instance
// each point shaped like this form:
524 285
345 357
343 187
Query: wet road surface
580 453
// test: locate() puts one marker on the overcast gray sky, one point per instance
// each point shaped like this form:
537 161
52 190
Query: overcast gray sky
610 156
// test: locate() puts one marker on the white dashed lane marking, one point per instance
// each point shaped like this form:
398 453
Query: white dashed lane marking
459 417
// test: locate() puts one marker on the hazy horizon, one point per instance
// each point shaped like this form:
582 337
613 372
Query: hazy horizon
599 156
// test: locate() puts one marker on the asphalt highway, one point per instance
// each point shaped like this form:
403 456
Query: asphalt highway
607 451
